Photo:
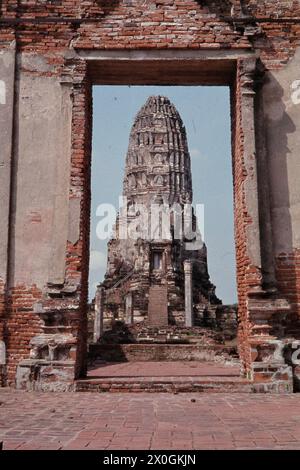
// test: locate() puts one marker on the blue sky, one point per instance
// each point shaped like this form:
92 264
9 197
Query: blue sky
206 114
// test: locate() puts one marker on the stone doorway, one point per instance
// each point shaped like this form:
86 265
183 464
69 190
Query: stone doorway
45 169
260 304
258 298
163 305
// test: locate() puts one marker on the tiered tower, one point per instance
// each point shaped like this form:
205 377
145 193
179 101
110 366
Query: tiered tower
158 161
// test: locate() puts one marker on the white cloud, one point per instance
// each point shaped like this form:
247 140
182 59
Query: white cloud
94 286
97 260
195 153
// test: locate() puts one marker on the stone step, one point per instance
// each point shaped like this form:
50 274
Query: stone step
143 333
161 352
164 385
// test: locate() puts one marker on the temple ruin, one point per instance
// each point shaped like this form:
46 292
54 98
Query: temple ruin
51 56
157 269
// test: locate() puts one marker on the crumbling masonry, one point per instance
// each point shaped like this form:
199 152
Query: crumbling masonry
51 53
156 250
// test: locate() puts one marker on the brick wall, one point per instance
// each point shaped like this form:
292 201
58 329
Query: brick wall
288 278
121 24
2 304
21 325
159 352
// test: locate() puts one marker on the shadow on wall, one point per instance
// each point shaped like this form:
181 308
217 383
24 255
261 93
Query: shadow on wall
226 7
278 126
219 7
109 5
106 355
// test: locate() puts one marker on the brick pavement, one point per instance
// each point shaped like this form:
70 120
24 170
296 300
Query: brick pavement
143 421
162 369
155 377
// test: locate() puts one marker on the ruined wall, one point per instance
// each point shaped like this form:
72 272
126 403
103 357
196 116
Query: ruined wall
47 223
282 117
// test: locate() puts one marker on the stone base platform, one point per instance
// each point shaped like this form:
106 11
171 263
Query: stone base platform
162 352
168 377
165 385
143 333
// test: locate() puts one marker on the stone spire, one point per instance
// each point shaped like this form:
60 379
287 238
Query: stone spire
158 160
147 276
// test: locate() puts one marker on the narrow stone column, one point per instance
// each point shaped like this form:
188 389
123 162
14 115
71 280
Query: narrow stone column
129 309
259 305
2 353
98 322
7 98
188 293
247 72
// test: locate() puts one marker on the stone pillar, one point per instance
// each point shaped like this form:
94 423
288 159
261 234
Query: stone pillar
7 98
262 304
250 183
256 196
188 292
98 322
261 352
129 309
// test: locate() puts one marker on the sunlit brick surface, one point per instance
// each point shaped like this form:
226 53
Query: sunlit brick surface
143 421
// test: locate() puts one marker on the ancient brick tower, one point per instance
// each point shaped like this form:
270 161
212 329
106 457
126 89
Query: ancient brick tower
157 271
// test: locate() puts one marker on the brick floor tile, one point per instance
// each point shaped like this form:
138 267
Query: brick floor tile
144 421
